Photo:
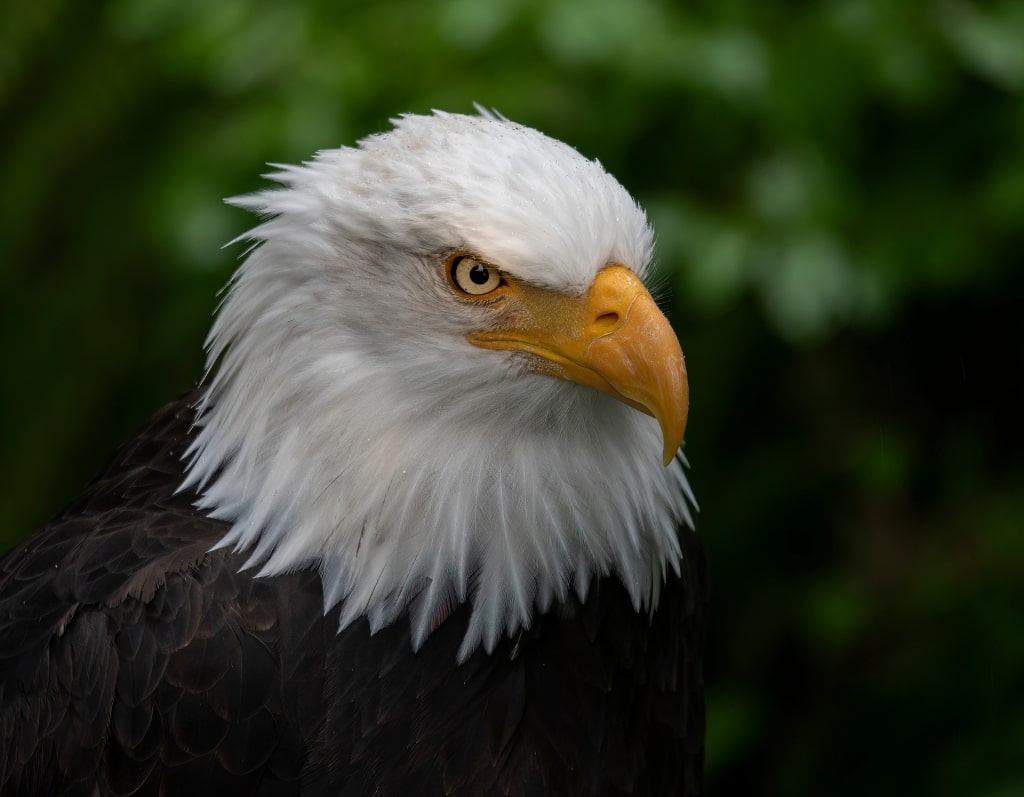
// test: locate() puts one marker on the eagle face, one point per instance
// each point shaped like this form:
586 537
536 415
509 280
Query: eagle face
438 376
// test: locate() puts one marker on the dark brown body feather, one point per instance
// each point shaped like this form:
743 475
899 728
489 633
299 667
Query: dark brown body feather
134 661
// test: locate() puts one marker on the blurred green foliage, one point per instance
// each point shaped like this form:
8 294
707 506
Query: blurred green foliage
838 191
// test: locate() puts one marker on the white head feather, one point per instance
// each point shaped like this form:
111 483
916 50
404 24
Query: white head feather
349 424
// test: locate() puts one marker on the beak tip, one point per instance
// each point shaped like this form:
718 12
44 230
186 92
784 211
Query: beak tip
673 429
670 448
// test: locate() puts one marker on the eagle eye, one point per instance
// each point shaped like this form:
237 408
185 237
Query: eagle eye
474 277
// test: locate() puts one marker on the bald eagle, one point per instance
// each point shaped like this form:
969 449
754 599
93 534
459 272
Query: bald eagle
423 528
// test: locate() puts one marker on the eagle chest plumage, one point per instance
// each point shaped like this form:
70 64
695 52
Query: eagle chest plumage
424 529
153 662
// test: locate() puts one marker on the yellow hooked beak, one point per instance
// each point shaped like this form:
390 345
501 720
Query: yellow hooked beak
613 338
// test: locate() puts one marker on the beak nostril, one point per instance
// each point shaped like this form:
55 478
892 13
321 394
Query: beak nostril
606 320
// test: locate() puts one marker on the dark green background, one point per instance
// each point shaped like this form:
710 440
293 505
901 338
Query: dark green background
838 191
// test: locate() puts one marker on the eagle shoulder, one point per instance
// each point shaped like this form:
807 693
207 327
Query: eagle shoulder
128 648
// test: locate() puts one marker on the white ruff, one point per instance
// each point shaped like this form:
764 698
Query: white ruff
348 423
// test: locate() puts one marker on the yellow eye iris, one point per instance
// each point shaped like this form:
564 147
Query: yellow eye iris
474 277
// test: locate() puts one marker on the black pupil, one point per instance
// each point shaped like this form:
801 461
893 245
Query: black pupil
479 275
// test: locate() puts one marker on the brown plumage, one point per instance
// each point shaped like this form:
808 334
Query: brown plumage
133 661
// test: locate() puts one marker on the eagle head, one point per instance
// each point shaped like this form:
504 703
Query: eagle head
439 378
